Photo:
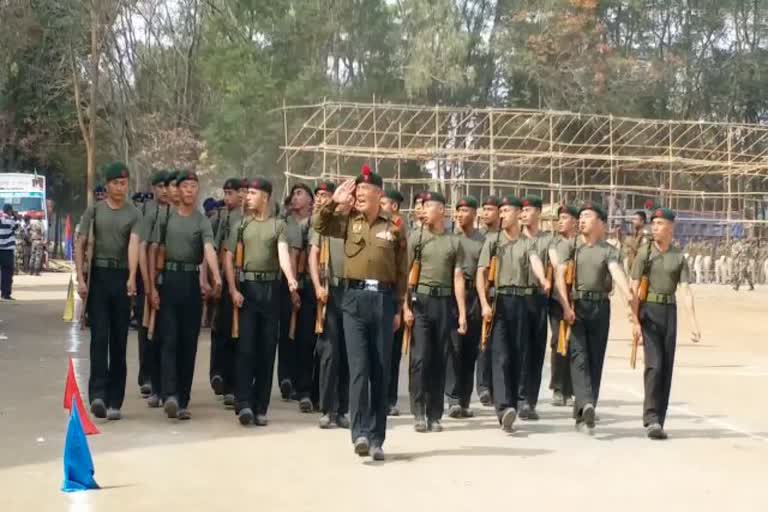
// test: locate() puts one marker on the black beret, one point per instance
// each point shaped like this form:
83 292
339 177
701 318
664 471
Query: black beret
491 201
534 201
327 186
569 209
185 175
158 177
138 197
395 196
642 214
302 186
510 200
664 213
433 196
468 201
233 184
366 176
170 177
595 207
114 171
149 196
260 183
99 189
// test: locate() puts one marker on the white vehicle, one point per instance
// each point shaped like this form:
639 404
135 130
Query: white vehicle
26 193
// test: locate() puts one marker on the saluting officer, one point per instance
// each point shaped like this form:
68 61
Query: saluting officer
188 245
375 272
666 269
490 226
560 366
597 264
516 254
431 310
222 369
111 283
535 341
333 371
460 371
254 289
390 203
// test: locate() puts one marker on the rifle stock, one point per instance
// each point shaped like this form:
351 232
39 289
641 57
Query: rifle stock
413 281
87 271
301 267
325 253
642 296
485 331
239 255
160 266
564 333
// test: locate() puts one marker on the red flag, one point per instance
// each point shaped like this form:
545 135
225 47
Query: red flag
68 228
72 391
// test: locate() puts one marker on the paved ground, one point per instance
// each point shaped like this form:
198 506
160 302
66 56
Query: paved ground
716 457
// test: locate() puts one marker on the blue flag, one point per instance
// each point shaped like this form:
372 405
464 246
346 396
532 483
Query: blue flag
78 465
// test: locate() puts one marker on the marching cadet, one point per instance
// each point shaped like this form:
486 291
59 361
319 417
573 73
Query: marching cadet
636 237
149 350
560 366
666 270
110 285
597 265
490 226
534 346
295 358
460 371
188 245
516 254
375 268
431 312
254 285
390 203
333 372
222 368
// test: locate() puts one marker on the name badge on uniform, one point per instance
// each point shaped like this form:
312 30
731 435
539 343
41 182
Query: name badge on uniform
385 235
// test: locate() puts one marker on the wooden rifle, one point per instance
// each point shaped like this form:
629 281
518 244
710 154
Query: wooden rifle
323 267
414 274
238 264
642 296
147 298
159 268
88 270
564 333
493 274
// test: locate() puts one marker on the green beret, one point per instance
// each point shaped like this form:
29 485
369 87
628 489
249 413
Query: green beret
185 175
159 177
433 196
595 207
468 201
260 183
170 177
366 176
510 200
115 171
569 209
327 186
395 196
491 201
534 201
233 184
664 213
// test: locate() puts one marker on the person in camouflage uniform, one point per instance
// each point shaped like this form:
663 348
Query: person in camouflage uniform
37 243
740 252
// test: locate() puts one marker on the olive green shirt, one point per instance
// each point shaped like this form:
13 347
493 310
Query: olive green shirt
260 239
371 251
540 245
471 246
514 260
665 270
296 233
441 255
154 214
229 222
336 246
185 236
112 230
592 274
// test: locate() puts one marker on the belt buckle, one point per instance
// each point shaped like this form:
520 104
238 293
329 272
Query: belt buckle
371 285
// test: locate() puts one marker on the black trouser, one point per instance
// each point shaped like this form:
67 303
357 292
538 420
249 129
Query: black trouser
368 321
589 339
509 329
304 381
659 325
286 362
222 347
534 348
485 368
333 372
145 348
560 366
394 367
434 319
7 266
255 356
181 309
109 313
460 372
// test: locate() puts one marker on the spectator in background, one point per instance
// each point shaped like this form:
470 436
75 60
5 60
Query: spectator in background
9 224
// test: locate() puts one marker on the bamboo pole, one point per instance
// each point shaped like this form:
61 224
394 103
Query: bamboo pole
728 208
325 139
287 156
399 149
492 154
375 139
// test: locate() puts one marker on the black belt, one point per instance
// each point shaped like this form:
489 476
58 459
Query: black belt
110 263
661 298
371 285
587 295
178 266
520 291
259 276
434 291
